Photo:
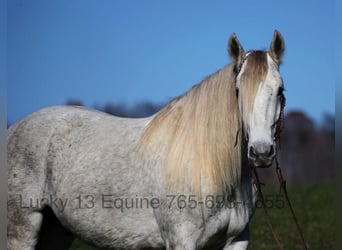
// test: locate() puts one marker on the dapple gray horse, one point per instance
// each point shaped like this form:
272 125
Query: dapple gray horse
177 180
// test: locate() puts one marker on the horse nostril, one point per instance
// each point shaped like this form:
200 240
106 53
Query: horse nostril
252 152
261 154
271 152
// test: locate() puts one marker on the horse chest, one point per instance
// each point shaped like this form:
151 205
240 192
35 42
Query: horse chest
225 225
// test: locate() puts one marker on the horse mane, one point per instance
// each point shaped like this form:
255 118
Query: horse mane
197 136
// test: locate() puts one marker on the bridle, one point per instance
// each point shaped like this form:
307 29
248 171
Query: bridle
279 124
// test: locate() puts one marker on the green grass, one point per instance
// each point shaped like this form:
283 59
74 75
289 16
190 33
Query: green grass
315 209
314 206
79 245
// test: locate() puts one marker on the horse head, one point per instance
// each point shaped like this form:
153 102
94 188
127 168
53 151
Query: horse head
259 90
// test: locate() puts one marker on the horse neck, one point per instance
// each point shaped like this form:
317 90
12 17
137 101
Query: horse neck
198 134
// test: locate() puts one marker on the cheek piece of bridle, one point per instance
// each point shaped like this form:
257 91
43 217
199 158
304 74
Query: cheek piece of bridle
257 184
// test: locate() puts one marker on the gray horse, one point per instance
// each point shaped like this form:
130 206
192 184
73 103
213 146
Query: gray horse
177 180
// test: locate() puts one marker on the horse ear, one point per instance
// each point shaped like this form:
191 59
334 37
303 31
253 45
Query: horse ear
235 49
277 47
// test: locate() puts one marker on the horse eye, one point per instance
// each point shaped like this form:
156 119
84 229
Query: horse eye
237 92
280 91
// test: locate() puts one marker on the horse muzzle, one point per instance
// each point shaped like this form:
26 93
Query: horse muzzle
261 154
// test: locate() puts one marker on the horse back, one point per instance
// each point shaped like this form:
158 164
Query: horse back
63 139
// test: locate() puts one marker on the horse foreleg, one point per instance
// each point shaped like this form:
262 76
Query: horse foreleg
22 229
181 246
182 239
53 235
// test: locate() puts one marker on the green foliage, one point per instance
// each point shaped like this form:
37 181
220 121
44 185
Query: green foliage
314 206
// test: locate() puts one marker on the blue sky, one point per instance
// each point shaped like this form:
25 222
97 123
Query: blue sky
129 51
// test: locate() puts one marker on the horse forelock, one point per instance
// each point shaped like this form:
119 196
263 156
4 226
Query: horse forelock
251 77
195 136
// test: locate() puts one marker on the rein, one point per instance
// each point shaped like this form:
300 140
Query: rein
282 183
257 183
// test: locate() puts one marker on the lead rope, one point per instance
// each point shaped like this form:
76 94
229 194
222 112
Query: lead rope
264 208
282 183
